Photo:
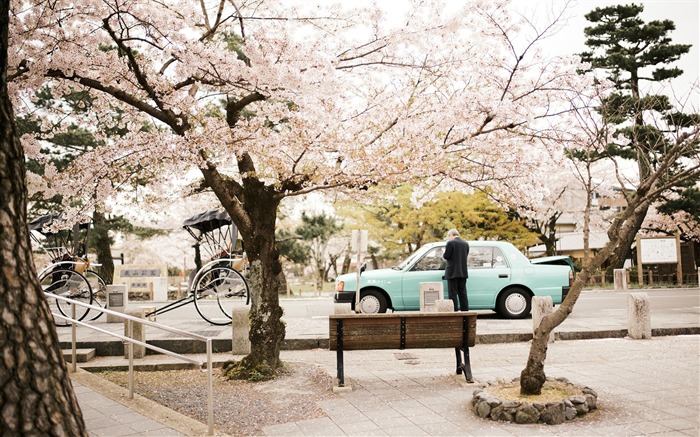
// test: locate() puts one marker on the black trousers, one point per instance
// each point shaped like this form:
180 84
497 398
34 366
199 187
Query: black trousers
457 290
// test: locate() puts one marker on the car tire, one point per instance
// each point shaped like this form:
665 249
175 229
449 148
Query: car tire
372 302
514 303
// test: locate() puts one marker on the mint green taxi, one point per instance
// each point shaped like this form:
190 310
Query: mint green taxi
501 279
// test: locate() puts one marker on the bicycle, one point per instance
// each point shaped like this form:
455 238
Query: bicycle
220 284
69 274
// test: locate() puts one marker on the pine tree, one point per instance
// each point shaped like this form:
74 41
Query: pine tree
635 54
36 395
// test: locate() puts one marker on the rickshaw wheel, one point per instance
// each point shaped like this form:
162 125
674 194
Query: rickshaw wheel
217 291
69 284
99 291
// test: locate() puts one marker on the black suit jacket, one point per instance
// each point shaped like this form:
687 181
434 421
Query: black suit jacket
455 254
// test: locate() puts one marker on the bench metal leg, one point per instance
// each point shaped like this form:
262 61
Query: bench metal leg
339 353
465 366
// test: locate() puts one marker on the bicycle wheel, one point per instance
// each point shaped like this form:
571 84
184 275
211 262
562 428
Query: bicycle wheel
99 291
69 284
217 291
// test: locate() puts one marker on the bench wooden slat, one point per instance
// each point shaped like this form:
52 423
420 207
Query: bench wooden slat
403 331
383 331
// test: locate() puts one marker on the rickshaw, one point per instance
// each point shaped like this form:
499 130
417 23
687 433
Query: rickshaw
220 283
69 274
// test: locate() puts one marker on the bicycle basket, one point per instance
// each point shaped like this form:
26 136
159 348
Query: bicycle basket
214 231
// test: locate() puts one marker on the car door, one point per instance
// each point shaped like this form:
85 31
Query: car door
429 268
488 274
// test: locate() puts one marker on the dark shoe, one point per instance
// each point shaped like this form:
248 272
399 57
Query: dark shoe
459 370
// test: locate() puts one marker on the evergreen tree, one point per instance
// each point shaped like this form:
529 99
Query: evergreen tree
635 54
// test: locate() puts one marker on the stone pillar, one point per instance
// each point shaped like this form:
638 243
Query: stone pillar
620 279
639 315
444 306
342 308
138 333
240 327
117 300
541 306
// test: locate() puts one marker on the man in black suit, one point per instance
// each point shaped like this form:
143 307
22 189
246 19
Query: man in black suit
456 252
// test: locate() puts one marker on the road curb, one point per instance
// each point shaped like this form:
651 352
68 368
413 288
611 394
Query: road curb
186 346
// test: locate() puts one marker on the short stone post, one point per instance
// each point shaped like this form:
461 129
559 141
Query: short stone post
342 308
117 300
240 327
698 277
138 332
639 316
444 306
541 306
620 280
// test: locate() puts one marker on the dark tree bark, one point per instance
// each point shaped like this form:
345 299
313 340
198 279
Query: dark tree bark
618 258
267 331
103 247
346 262
36 395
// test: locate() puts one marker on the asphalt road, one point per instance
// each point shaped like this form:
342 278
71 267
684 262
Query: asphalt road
591 303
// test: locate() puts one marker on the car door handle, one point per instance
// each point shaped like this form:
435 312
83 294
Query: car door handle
503 275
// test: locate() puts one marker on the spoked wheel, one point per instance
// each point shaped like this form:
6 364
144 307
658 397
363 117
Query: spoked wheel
69 284
99 292
217 291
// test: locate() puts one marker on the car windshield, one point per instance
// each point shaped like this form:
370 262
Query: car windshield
412 257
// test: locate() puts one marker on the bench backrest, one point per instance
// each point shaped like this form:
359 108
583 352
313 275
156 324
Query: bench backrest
402 330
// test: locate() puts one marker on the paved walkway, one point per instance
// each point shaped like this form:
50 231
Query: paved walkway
107 411
645 387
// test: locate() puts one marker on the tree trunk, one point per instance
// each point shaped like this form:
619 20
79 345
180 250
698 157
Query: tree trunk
532 377
346 263
267 331
619 256
36 395
103 246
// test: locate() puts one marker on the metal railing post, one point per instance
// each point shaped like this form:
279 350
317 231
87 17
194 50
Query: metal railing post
74 352
128 337
130 334
210 391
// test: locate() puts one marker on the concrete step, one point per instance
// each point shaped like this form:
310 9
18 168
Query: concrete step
82 355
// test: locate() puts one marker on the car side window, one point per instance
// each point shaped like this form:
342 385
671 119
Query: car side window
485 258
432 260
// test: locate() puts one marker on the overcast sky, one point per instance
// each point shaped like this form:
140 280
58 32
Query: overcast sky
684 13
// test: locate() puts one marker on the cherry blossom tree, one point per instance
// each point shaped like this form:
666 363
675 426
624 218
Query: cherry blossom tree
270 100
676 164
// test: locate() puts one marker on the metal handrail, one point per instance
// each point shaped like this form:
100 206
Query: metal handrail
130 320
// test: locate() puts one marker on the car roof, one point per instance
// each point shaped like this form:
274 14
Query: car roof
472 243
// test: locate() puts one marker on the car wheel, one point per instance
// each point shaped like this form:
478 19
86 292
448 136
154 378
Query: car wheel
372 302
514 303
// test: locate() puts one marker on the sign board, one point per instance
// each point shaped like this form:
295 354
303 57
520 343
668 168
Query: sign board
658 250
430 292
150 278
358 241
115 300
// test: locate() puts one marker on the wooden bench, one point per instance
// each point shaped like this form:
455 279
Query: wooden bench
403 331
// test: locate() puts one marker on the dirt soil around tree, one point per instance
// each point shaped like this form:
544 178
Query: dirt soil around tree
240 407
